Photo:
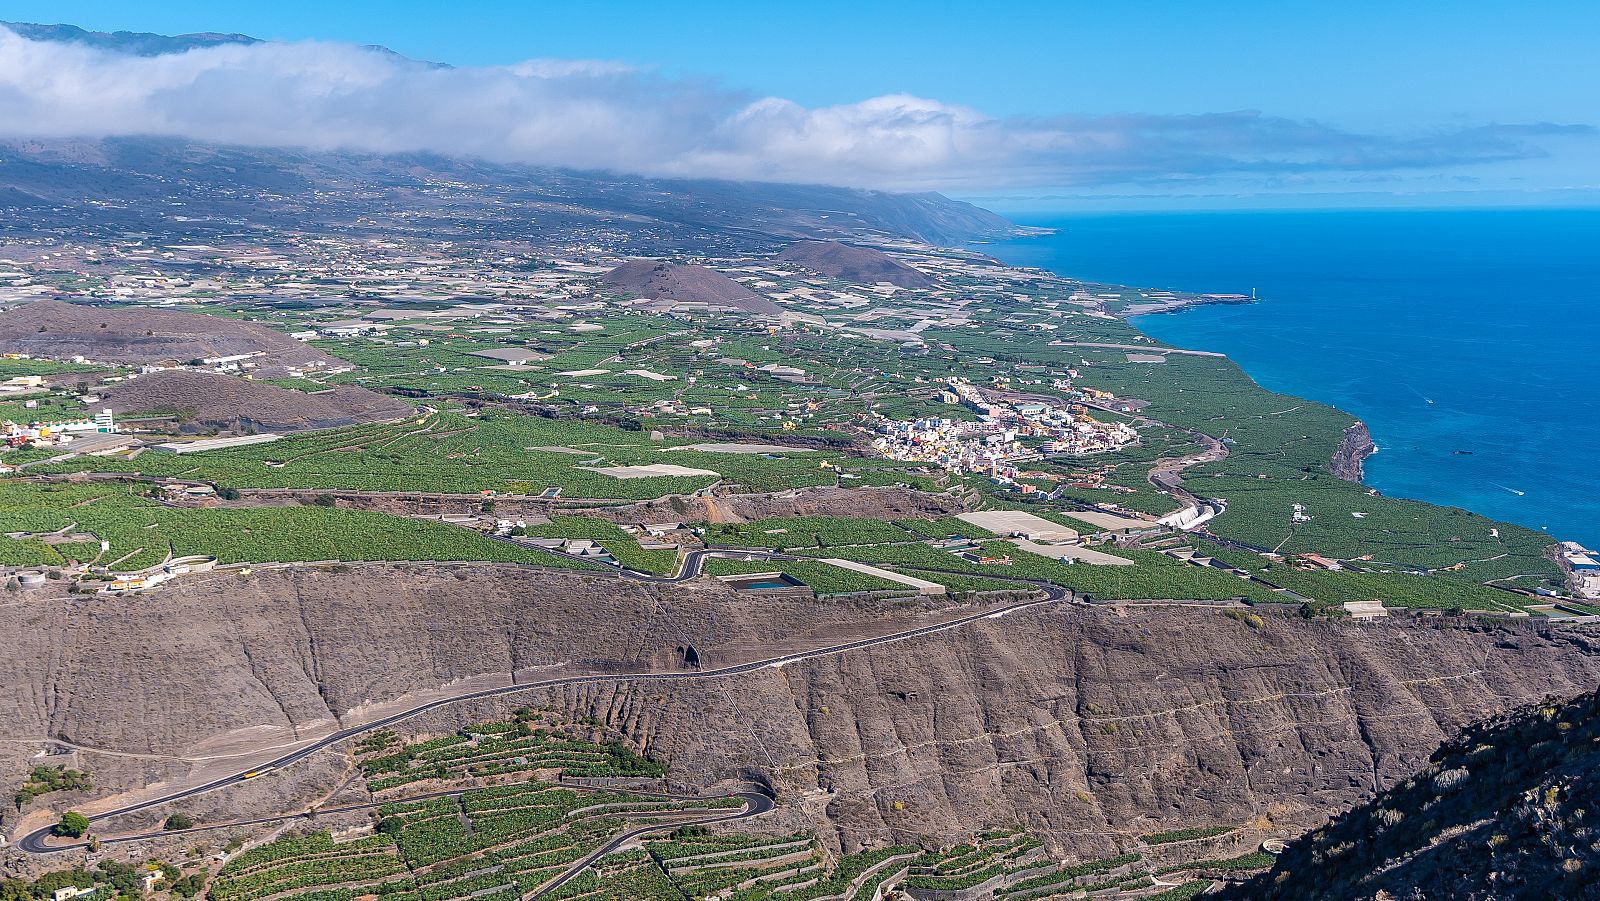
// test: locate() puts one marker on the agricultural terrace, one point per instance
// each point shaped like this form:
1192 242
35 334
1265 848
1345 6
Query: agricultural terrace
608 535
934 550
495 451
906 547
662 370
1395 588
809 532
499 842
530 741
531 833
63 522
1022 335
504 841
821 578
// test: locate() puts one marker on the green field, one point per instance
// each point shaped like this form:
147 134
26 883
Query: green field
819 577
143 532
453 453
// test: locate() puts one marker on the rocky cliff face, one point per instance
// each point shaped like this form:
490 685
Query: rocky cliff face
1088 725
1354 448
1504 810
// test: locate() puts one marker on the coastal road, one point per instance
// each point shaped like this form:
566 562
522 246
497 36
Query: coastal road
38 841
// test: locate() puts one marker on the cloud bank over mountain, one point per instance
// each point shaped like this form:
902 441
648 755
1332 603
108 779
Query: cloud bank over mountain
606 115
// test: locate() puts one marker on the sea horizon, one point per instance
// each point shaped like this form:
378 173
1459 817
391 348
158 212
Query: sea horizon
1455 334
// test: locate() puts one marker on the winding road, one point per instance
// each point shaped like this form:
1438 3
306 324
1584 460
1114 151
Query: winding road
38 841
755 804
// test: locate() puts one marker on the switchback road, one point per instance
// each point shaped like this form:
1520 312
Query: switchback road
38 841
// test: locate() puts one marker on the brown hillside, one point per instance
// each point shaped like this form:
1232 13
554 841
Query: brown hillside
682 283
861 265
1503 810
1090 725
53 328
210 401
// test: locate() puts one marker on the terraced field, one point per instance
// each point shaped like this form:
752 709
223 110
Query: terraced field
819 577
523 839
142 532
526 744
623 546
454 453
908 546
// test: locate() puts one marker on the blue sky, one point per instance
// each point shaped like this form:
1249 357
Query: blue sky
1421 80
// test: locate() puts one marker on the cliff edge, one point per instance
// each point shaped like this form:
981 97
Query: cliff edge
1354 448
1504 810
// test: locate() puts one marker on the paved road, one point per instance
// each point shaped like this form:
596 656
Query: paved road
37 842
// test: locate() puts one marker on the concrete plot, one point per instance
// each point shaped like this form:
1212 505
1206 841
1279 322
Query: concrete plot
511 355
922 586
649 471
651 375
1071 551
1110 522
1016 522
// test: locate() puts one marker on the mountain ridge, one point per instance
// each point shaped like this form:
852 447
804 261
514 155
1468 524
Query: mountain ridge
1501 811
224 186
75 171
135 43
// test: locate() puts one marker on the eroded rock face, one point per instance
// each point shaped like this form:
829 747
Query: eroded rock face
1088 725
1354 448
1504 810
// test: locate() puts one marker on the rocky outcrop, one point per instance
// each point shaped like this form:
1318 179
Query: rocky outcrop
1504 810
1354 448
210 401
1089 726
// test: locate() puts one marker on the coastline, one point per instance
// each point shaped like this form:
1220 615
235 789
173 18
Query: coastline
1177 304
1355 446
1442 331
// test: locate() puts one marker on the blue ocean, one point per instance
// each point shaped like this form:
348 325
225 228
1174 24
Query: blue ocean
1467 340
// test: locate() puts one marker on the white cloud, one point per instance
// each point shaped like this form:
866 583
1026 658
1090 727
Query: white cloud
604 115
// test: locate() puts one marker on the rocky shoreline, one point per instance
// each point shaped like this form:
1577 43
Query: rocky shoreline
1354 448
1178 303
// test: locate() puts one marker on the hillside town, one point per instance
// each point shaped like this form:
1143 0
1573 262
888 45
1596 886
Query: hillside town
1002 435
